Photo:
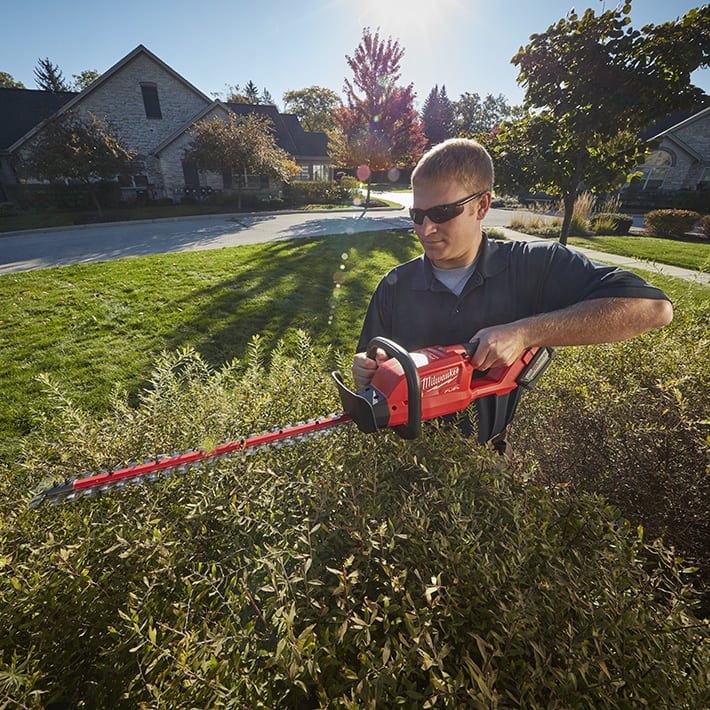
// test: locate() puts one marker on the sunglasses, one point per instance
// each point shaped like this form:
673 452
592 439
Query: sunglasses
442 213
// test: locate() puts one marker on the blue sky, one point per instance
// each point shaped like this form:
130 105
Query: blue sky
280 45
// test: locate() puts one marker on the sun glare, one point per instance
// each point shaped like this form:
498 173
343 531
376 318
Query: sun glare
404 19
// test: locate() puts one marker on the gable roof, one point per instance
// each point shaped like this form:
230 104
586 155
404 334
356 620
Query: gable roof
682 122
76 98
288 132
22 109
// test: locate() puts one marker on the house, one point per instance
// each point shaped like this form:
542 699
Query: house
676 171
152 109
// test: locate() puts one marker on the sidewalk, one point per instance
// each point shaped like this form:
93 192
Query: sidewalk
622 261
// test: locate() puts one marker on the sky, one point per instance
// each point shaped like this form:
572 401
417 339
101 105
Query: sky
282 45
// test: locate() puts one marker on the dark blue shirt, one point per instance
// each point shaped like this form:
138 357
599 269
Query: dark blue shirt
512 280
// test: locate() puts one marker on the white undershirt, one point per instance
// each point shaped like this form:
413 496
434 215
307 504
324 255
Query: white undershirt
454 279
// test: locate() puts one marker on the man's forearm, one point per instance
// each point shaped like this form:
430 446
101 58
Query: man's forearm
601 320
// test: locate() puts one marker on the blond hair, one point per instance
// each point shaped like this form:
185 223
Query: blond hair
460 159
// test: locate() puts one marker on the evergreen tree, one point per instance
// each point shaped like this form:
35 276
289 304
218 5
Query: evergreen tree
49 76
438 116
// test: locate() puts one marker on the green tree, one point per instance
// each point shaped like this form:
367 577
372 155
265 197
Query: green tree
592 84
239 146
49 77
314 106
7 82
77 148
81 81
475 117
380 127
438 116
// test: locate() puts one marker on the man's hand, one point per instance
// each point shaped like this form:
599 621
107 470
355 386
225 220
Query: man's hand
498 346
364 367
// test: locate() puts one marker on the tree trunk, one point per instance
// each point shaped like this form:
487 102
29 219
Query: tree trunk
568 202
369 184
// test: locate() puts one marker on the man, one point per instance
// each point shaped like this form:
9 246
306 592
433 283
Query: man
508 296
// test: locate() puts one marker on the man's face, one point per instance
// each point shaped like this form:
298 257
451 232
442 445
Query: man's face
453 243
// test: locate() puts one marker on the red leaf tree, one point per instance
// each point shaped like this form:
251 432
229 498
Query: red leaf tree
381 129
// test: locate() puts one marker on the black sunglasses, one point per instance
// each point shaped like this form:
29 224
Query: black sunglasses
442 213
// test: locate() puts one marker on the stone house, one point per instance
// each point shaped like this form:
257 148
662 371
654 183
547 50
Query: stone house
677 164
151 108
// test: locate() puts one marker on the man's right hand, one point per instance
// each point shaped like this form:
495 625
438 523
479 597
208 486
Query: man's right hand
364 367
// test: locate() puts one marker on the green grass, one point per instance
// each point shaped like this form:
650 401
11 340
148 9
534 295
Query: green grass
100 326
688 254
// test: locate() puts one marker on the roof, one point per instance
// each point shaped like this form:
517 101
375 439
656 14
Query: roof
22 109
75 98
669 124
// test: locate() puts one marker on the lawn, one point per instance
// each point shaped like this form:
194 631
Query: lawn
94 327
686 253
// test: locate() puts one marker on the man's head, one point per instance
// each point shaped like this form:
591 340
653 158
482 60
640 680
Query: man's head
457 159
452 185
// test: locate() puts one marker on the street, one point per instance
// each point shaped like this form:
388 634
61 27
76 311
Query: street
85 244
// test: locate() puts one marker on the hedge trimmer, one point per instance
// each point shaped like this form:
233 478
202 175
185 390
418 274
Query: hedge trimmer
406 389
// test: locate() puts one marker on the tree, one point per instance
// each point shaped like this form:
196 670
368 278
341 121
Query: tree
239 146
475 117
7 82
81 81
76 148
593 84
438 116
380 126
49 77
315 107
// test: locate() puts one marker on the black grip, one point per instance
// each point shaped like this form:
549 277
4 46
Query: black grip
413 427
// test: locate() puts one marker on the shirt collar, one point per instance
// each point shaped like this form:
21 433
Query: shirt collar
491 260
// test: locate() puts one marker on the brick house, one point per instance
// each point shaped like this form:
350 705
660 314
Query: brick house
151 108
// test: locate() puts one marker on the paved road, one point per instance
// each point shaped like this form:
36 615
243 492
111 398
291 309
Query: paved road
84 244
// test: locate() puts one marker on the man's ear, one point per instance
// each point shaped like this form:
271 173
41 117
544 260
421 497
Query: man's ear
484 204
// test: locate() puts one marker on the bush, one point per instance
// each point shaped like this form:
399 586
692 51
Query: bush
8 209
628 421
670 223
611 223
300 193
705 226
347 571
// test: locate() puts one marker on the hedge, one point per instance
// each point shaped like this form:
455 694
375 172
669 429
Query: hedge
349 570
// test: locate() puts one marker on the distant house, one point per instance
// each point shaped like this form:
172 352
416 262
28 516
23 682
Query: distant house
152 109
677 166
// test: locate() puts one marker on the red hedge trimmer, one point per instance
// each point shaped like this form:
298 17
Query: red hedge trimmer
406 389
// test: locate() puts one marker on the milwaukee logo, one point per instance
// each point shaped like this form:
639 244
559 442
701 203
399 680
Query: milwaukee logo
431 382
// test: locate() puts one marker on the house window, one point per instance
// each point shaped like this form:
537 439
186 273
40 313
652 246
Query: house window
321 172
704 182
654 170
305 173
151 102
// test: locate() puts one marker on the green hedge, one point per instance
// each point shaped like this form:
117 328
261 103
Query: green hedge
63 197
347 571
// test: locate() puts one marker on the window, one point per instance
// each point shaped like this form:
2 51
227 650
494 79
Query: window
305 173
704 182
654 170
151 102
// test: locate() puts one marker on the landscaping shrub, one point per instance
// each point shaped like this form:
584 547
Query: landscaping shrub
629 421
670 223
350 570
705 226
611 223
298 193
